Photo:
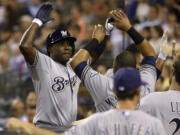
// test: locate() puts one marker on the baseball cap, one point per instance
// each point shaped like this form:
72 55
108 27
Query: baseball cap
58 35
127 79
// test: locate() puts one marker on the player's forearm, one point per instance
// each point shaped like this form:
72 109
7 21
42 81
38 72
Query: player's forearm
26 44
142 44
15 124
146 49
29 36
84 54
80 56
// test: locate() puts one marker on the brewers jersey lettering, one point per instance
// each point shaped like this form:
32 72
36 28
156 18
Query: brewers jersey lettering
119 122
56 87
166 107
101 86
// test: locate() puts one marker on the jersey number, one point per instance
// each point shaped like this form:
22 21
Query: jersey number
177 121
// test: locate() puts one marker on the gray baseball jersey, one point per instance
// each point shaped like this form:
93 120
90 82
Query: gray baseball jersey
101 86
166 107
116 122
56 87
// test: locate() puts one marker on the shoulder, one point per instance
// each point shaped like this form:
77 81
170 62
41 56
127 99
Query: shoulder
40 54
153 98
109 73
41 61
93 73
41 57
106 113
146 116
109 114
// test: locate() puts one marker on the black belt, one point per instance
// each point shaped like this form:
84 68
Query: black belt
50 126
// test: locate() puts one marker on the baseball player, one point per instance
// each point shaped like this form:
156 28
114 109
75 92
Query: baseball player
55 82
166 105
100 86
125 120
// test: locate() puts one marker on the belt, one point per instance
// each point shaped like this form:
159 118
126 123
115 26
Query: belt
50 126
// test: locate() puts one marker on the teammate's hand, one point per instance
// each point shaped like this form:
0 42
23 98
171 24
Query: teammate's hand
44 12
121 20
99 33
165 48
17 125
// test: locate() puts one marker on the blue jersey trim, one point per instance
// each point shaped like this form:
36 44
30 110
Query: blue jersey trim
80 68
149 60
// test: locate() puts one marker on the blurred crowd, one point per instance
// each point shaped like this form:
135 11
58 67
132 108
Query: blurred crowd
150 17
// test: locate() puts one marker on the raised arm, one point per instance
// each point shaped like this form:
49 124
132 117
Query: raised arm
26 44
27 41
165 50
122 22
83 54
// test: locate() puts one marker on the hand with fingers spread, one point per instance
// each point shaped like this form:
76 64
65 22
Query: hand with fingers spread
121 20
99 33
42 16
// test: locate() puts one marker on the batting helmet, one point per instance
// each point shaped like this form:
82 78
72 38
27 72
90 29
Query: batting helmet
59 35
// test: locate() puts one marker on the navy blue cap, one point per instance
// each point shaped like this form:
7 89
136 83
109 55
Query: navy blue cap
127 79
58 35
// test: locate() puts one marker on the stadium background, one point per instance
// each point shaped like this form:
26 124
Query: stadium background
150 17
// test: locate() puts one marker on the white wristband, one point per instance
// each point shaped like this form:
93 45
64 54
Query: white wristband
37 21
162 56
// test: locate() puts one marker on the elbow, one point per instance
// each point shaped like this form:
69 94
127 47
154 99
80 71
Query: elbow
22 47
74 63
25 47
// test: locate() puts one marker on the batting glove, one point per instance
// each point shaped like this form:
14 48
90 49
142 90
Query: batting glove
42 16
108 26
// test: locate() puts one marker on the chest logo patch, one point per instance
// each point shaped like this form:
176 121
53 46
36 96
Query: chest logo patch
60 83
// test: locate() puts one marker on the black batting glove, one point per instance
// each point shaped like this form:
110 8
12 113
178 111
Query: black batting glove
44 12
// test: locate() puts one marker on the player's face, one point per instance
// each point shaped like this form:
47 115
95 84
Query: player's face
61 52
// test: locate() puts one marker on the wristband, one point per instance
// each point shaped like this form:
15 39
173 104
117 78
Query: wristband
37 21
92 45
162 56
136 36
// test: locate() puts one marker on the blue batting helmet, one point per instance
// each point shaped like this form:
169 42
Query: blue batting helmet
59 35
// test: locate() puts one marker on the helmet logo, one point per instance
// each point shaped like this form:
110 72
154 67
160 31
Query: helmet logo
64 33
